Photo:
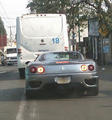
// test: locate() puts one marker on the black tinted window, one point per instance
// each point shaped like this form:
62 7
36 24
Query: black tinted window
13 50
60 56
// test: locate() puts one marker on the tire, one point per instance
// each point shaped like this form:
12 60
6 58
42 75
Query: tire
22 73
3 63
93 91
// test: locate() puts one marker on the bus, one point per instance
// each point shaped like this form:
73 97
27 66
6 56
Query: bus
38 33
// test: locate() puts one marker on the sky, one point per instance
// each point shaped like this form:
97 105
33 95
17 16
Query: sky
9 10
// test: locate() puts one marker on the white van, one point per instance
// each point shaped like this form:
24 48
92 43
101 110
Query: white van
10 55
38 33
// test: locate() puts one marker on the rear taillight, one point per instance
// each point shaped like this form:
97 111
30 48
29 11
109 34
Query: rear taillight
83 67
66 48
40 69
33 69
91 67
62 62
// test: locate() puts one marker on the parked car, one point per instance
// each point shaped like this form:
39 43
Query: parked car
62 69
10 55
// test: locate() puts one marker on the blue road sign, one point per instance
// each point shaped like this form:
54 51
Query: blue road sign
106 49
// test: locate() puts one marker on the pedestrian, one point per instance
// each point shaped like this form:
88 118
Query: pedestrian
2 59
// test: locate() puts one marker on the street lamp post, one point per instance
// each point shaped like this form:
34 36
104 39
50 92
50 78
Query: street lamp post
79 34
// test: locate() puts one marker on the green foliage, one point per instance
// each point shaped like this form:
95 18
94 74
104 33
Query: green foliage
76 13
2 29
103 11
47 6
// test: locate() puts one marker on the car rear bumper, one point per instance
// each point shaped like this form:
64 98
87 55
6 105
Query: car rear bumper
39 81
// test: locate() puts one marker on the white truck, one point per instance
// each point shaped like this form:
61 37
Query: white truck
37 33
10 55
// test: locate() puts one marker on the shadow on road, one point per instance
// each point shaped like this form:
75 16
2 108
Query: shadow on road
9 76
17 94
54 94
14 94
106 92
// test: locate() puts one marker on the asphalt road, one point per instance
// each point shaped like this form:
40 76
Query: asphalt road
48 105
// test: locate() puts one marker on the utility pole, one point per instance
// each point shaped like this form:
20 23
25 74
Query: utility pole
10 34
79 32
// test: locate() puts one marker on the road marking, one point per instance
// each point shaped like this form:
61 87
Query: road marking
3 71
34 111
38 115
22 105
34 114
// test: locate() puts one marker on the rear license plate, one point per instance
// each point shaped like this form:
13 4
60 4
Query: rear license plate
62 80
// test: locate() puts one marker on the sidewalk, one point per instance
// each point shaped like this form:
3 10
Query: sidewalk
105 68
105 72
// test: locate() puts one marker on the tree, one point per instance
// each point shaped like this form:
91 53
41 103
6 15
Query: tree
59 6
103 11
2 29
77 13
47 6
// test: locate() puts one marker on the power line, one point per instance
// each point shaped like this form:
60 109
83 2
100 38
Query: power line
9 18
3 9
4 16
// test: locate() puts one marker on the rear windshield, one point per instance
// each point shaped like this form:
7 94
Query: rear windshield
42 27
60 56
11 50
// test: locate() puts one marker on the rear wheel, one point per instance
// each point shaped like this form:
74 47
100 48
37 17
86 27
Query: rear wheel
21 73
3 64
